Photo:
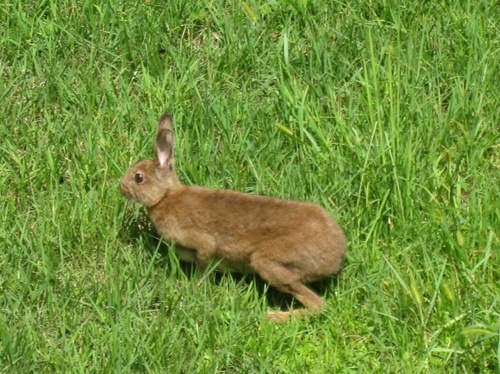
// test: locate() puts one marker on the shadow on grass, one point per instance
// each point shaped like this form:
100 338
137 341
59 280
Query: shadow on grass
141 229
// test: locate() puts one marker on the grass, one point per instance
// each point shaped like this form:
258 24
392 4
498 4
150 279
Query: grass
384 112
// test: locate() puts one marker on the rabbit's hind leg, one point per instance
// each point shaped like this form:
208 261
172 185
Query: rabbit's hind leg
312 302
286 280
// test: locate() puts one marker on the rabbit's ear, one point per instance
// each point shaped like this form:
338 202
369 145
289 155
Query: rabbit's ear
166 122
165 141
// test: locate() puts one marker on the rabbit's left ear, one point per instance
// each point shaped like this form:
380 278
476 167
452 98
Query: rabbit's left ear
165 141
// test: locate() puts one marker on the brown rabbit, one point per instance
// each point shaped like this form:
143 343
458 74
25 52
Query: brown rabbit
287 243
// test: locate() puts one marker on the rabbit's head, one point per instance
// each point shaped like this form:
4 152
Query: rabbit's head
149 181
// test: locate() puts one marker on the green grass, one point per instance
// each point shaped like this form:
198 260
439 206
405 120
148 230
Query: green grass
386 113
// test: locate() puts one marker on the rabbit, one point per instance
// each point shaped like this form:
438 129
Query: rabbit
287 243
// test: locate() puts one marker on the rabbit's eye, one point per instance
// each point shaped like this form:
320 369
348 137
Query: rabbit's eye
139 178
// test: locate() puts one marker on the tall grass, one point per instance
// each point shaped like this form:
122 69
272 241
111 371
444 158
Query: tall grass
384 112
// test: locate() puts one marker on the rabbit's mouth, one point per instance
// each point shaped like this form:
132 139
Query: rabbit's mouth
125 190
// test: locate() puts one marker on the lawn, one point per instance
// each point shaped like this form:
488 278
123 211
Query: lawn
386 113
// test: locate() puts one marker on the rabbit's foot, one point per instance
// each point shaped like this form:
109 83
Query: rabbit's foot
278 317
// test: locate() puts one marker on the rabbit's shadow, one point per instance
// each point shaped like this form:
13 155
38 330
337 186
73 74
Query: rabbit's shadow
141 229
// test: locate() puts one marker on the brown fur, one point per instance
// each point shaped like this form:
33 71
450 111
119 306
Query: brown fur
287 243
